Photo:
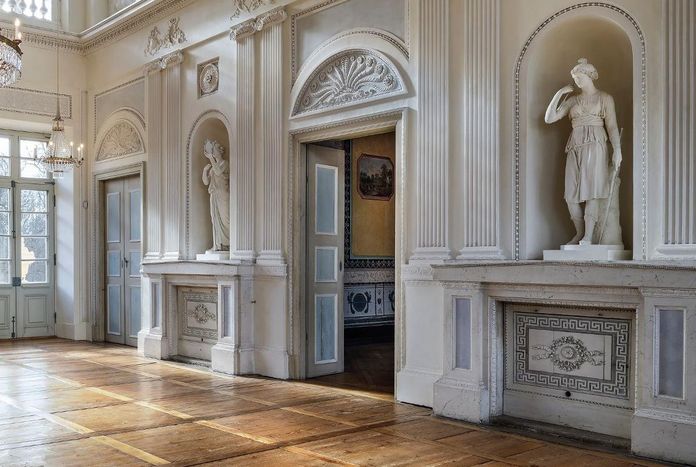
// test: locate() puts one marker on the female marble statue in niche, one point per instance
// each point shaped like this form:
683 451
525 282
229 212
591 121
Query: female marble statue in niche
216 176
590 180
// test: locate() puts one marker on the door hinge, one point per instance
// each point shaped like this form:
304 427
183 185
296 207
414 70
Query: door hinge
55 317
16 282
55 260
54 201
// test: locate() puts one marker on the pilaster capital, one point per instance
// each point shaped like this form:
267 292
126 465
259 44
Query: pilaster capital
243 30
162 63
275 16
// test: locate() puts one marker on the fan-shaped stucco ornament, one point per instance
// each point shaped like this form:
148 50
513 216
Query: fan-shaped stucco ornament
347 78
122 139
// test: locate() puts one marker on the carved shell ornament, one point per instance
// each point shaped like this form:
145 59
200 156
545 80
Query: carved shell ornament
121 140
350 77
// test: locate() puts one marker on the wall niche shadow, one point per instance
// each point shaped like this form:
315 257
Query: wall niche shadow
544 218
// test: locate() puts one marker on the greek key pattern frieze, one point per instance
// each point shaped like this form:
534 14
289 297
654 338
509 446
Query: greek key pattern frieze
573 355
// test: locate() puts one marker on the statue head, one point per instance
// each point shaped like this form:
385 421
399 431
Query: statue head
213 150
584 73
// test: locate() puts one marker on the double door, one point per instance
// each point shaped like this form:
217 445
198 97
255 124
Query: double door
122 232
27 260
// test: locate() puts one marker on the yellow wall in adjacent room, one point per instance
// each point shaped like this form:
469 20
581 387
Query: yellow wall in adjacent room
372 221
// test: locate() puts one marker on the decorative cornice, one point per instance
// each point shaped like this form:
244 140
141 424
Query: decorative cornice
93 38
173 58
243 30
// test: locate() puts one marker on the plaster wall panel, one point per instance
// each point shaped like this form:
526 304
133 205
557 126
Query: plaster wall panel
270 322
316 25
423 324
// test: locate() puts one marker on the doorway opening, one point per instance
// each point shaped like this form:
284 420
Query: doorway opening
350 250
122 253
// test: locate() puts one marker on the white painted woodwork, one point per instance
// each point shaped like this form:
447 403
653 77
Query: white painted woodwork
122 259
680 126
481 123
432 126
324 278
172 150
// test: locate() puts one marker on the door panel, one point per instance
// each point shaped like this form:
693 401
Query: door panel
122 223
324 266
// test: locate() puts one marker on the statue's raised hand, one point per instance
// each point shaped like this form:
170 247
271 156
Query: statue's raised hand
566 89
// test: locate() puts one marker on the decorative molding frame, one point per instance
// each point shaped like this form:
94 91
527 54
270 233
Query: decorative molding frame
208 74
34 102
101 94
368 74
643 119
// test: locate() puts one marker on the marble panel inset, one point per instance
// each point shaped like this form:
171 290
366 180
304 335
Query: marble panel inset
198 313
583 354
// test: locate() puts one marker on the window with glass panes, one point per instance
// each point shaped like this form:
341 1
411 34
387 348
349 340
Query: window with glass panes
25 193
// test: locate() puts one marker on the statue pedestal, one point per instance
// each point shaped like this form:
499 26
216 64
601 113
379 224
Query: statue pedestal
212 255
588 253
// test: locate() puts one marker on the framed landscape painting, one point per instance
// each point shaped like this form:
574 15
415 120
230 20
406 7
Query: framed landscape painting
376 177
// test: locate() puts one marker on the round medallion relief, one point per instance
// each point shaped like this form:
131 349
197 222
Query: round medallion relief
209 78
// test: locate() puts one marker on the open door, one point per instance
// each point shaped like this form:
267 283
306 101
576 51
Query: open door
324 266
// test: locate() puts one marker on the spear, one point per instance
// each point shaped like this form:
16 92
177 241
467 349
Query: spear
612 186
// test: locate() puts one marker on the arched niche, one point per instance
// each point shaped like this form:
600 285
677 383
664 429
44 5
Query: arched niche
121 136
210 125
598 35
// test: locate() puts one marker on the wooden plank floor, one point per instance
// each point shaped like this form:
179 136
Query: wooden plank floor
67 403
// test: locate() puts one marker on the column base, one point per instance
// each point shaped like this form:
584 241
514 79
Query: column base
462 400
481 252
430 255
664 435
270 258
245 256
152 345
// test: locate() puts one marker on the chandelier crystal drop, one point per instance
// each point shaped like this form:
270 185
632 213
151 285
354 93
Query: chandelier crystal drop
10 57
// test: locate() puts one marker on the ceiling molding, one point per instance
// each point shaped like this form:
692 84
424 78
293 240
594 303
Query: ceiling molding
112 29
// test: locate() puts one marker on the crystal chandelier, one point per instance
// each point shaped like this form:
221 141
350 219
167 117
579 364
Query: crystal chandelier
58 156
10 57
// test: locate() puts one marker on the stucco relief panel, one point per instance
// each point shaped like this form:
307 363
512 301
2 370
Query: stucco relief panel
120 140
348 78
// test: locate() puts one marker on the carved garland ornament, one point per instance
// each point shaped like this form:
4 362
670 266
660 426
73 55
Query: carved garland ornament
348 78
569 354
202 314
121 140
248 6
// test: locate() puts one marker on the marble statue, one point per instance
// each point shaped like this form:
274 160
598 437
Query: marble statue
216 176
591 178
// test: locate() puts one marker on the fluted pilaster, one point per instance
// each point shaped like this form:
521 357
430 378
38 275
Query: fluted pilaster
272 141
432 131
481 129
153 209
680 129
242 192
